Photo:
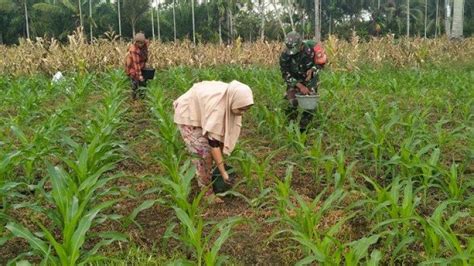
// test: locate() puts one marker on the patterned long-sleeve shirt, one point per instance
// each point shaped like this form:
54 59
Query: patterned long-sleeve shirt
136 60
294 67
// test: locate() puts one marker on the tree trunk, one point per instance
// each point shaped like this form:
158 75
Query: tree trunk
437 19
174 20
90 19
262 24
458 19
119 20
194 23
289 8
447 18
330 23
152 25
279 18
26 21
158 19
231 25
408 18
317 25
220 31
426 15
80 14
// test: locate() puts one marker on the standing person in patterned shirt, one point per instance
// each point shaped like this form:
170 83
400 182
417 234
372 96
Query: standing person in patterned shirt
136 58
299 67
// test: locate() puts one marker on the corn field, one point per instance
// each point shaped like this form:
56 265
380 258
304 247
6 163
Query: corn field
49 56
385 175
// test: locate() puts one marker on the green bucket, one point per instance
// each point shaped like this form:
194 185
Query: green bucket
218 183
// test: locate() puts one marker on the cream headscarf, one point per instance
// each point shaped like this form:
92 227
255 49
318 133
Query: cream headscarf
209 105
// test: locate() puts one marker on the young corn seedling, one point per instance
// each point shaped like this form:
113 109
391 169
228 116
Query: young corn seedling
77 207
282 192
438 230
358 250
303 218
270 122
295 138
453 183
343 172
78 197
395 214
376 133
168 133
191 229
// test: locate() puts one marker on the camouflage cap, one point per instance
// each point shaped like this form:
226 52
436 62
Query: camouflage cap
293 43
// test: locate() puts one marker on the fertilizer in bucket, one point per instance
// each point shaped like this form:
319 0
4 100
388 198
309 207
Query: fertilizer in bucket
307 102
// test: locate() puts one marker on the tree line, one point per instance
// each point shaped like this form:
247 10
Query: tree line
225 20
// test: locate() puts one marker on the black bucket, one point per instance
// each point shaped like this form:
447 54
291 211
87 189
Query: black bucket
218 183
148 73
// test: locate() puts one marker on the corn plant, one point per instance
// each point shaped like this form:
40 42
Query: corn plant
168 133
79 195
77 207
376 133
283 191
438 230
453 183
393 210
358 250
191 232
295 138
302 219
343 171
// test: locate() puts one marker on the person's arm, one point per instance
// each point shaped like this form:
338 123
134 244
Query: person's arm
216 153
285 71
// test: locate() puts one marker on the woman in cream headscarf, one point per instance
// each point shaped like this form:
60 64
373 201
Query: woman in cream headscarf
209 117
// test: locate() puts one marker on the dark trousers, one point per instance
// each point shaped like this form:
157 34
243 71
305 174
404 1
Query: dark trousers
136 91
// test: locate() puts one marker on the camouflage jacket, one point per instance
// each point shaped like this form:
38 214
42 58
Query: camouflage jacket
294 67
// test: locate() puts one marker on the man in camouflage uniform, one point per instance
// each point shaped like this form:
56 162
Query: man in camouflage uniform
300 74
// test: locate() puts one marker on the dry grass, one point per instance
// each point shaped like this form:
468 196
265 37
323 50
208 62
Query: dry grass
49 56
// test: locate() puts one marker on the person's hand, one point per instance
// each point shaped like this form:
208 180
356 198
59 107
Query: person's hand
309 74
226 178
304 90
141 78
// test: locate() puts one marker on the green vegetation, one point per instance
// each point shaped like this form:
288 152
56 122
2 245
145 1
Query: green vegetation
385 175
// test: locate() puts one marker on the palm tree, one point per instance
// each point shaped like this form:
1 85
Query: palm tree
194 23
262 22
174 19
119 20
80 13
408 18
317 25
447 19
152 24
133 10
277 13
437 19
426 15
26 19
158 19
458 19
90 18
